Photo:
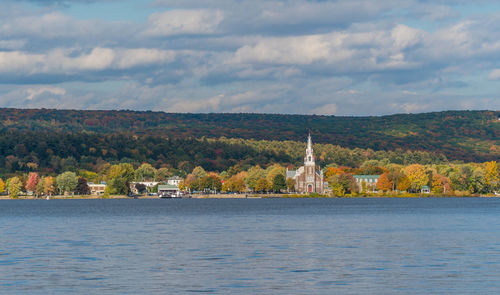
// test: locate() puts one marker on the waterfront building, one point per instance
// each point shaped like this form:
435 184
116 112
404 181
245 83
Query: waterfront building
174 180
96 189
366 182
167 189
308 178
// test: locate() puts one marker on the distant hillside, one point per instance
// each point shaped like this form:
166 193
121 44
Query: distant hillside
460 135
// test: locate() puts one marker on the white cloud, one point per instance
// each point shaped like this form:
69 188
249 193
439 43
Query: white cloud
63 61
34 92
405 36
290 50
180 21
342 51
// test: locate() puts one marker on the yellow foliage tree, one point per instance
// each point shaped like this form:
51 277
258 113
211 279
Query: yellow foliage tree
416 176
262 185
48 185
2 186
235 183
491 176
403 184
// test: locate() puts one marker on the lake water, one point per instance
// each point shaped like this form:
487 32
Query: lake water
248 246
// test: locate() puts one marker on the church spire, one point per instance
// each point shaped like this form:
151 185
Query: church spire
309 158
309 143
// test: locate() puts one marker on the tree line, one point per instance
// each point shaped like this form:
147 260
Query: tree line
471 136
56 152
441 179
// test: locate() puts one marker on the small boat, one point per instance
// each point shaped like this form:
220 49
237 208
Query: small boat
47 198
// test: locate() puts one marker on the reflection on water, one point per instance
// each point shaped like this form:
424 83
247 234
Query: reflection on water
284 246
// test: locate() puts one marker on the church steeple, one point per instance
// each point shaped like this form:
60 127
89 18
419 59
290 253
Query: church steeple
309 158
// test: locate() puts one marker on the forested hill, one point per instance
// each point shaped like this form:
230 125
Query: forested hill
460 135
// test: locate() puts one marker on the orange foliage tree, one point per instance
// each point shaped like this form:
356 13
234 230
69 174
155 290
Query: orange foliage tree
384 184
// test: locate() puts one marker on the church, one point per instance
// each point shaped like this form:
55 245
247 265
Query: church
308 178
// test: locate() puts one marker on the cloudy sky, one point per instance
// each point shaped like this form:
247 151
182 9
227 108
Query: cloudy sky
344 57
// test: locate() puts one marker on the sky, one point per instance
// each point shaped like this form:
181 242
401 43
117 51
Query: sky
339 57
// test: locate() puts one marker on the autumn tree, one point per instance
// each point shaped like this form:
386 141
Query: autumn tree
403 184
14 185
262 185
183 186
395 175
32 182
331 171
440 184
384 184
48 185
491 176
193 180
2 186
417 177
211 182
235 183
82 187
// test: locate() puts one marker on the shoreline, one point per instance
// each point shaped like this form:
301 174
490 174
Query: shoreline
246 196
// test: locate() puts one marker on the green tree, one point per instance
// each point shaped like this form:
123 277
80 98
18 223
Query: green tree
67 181
118 179
14 185
254 174
39 187
89 176
342 184
279 183
163 174
477 183
145 172
199 172
290 184
272 171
